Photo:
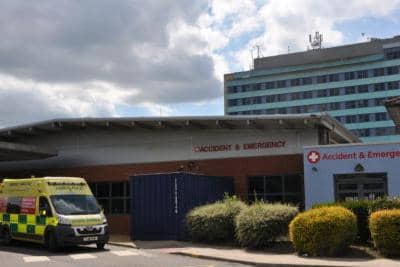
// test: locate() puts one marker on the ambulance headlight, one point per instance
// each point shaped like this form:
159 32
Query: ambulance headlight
63 221
103 219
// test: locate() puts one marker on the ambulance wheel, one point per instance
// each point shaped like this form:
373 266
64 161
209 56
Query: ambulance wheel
7 237
51 242
100 246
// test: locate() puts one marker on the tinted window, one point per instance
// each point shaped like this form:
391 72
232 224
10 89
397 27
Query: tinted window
14 205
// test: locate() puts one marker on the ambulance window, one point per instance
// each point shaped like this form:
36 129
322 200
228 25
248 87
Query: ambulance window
44 205
14 205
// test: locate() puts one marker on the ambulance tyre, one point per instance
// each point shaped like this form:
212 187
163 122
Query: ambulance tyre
51 241
100 246
6 237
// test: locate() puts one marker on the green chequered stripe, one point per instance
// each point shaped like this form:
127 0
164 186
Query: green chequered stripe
14 227
30 229
22 218
6 217
40 220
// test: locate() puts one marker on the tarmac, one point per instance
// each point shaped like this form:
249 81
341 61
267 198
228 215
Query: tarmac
251 257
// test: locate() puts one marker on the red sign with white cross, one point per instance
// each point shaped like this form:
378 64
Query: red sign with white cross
313 156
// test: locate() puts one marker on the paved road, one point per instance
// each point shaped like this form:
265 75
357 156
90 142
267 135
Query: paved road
31 255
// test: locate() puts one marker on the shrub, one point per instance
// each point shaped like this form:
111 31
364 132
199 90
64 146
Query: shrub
386 203
385 231
362 209
214 222
325 231
262 223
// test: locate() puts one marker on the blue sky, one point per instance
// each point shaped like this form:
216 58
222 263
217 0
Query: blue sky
163 58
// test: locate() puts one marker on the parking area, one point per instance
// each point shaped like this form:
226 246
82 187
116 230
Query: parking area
25 254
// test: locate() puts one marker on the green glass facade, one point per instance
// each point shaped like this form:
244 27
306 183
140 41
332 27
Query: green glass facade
351 89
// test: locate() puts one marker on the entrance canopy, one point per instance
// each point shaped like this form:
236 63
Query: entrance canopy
17 152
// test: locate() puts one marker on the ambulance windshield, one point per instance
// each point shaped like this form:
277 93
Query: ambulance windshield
75 204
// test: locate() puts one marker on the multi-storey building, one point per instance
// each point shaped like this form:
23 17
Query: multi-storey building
349 82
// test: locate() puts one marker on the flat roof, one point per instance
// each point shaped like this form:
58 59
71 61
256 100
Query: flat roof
261 122
16 152
373 47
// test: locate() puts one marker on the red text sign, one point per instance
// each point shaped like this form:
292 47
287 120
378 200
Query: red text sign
28 205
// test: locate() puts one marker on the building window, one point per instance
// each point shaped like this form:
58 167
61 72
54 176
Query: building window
392 70
282 111
295 82
350 90
322 93
270 85
351 119
379 101
279 188
334 92
364 132
362 74
334 106
350 104
379 87
281 84
307 81
362 89
363 118
381 116
321 79
379 72
392 53
349 76
393 85
322 107
113 197
307 95
333 77
232 102
362 103
281 98
295 96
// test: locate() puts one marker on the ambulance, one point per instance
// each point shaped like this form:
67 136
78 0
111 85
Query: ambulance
53 211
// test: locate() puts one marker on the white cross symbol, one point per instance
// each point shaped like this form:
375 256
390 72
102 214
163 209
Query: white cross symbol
313 157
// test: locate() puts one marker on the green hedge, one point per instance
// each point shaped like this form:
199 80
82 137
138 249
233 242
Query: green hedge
325 231
214 222
362 209
262 223
385 231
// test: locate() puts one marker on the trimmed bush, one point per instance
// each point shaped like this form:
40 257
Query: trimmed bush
385 231
214 222
262 223
386 203
325 231
362 209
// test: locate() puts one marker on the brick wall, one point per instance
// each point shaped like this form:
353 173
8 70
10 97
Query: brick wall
239 168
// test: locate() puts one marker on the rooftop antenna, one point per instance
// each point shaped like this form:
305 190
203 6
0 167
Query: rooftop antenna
316 40
259 48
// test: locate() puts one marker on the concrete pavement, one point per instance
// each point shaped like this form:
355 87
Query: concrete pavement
26 254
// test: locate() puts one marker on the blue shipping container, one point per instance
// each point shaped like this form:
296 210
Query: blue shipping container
160 202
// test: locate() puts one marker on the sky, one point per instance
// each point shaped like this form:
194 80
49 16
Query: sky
101 58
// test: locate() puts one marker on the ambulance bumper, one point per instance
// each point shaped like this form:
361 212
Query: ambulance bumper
66 236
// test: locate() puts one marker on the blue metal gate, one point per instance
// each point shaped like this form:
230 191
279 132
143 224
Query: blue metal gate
160 202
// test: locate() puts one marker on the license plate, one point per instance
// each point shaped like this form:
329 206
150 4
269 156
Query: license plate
90 238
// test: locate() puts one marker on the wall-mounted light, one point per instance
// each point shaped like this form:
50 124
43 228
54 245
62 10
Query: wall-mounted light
314 169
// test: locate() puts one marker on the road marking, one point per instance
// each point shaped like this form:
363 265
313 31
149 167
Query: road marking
36 259
82 256
125 253
145 254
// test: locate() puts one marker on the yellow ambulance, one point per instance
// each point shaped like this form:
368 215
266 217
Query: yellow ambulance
54 211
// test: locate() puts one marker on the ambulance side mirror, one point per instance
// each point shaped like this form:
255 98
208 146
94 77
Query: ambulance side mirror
43 213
